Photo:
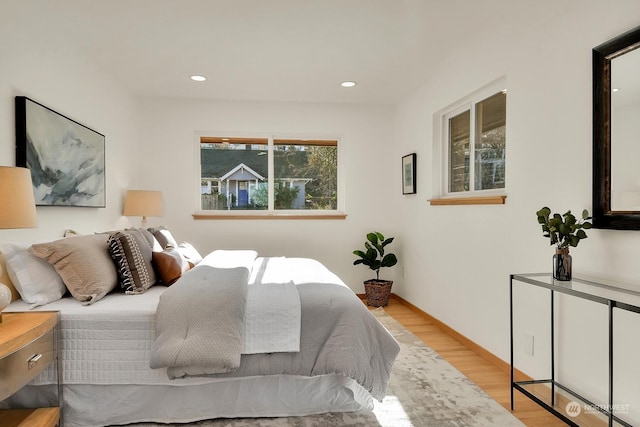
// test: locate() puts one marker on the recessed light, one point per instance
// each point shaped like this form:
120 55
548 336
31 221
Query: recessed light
198 78
615 89
348 84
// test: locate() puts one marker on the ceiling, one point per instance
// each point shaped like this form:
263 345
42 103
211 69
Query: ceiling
274 50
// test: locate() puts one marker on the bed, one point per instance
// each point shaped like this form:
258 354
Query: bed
107 347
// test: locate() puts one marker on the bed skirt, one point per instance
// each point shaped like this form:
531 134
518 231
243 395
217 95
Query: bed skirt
268 396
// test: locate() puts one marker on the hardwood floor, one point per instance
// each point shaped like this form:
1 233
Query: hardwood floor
494 381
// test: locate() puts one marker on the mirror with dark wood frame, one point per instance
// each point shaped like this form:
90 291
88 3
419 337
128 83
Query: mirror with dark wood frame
616 132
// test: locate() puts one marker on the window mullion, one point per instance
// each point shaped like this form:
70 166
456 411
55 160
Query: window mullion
446 155
271 174
472 147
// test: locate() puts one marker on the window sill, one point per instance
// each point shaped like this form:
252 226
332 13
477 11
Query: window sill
484 200
270 215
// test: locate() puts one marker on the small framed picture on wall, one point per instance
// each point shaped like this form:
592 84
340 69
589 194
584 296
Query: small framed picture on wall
409 174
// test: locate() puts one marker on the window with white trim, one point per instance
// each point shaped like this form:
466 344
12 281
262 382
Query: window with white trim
472 144
267 174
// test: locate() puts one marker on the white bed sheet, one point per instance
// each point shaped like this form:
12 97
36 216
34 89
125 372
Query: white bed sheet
108 342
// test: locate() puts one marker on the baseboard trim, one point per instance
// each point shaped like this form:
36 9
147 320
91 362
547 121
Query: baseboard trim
472 345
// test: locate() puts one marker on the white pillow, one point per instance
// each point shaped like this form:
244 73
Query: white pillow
35 279
189 252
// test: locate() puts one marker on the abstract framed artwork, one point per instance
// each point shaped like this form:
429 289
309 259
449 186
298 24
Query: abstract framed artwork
409 174
66 158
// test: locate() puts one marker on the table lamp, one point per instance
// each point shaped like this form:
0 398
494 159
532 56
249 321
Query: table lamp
143 203
17 210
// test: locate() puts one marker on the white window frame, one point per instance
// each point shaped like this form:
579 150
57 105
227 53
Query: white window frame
441 144
270 212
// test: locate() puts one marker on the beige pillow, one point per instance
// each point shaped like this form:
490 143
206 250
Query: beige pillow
164 237
84 264
5 280
151 240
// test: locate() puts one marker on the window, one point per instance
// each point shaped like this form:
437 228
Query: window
306 174
268 174
472 144
232 172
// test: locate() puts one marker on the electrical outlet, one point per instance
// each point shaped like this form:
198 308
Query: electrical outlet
528 340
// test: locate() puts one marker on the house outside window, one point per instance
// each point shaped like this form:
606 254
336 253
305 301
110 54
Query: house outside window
231 170
471 138
268 174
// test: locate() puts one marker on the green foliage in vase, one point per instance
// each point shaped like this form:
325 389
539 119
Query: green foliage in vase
374 256
563 230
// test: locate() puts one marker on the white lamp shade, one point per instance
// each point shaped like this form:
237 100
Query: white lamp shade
143 203
17 204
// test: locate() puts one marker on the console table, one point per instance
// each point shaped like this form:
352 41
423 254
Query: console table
611 296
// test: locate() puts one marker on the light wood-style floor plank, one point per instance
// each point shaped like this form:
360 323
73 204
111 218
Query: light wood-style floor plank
486 375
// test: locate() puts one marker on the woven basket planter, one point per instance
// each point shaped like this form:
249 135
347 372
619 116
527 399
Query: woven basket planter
377 292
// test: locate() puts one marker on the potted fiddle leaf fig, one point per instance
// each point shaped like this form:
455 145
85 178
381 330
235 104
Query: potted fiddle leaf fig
563 231
376 290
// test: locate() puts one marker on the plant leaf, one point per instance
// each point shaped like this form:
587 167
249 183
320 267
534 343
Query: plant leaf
544 212
372 237
389 260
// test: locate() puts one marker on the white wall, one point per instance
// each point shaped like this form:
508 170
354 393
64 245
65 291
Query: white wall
65 82
458 258
167 162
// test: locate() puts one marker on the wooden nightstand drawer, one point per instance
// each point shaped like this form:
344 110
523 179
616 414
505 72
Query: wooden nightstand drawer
21 366
28 344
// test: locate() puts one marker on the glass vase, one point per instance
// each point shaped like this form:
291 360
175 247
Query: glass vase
562 265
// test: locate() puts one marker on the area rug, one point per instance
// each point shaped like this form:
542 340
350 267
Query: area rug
424 390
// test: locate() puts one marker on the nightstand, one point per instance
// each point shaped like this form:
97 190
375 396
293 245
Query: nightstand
28 344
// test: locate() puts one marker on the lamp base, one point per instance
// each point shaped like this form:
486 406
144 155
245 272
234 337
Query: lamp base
5 298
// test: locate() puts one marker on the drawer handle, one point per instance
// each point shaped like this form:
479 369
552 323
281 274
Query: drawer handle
34 360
